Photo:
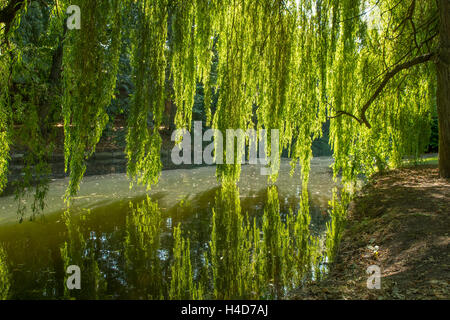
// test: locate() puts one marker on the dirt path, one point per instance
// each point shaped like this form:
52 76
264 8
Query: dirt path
406 213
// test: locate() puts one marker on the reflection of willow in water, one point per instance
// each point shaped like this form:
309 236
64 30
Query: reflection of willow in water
143 271
253 262
182 282
336 225
133 270
4 275
247 256
79 251
230 246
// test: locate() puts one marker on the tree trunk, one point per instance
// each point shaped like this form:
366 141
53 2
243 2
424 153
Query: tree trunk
443 89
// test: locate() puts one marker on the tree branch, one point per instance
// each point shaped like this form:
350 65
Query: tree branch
340 113
8 13
389 75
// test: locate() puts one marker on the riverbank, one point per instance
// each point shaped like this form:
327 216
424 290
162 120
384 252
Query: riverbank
400 222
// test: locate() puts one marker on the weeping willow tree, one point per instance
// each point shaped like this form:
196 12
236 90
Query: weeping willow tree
380 81
365 65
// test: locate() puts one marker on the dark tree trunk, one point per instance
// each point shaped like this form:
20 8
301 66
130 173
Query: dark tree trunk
443 89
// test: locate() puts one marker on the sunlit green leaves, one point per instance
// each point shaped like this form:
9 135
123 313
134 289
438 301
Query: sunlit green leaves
90 68
284 65
147 105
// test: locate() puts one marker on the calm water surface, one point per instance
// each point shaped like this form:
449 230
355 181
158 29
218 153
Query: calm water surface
187 238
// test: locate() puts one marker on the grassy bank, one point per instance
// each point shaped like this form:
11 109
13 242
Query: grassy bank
400 222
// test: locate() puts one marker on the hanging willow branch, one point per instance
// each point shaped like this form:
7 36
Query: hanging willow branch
147 105
91 58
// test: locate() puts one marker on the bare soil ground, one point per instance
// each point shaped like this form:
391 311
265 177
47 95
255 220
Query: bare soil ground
406 213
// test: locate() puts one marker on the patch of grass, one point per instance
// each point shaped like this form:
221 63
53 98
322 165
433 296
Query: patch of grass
433 160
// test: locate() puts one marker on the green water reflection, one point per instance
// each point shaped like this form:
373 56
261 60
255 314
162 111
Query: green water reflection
218 245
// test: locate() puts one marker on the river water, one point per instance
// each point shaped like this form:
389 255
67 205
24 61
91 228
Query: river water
186 238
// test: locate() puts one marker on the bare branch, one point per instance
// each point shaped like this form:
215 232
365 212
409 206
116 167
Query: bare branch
341 113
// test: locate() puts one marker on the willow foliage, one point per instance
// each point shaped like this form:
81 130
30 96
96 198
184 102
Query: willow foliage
90 67
399 118
282 64
4 122
4 114
149 61
182 60
28 100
